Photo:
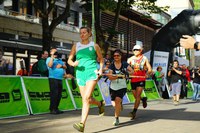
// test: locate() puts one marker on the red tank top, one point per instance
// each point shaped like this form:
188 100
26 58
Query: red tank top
138 67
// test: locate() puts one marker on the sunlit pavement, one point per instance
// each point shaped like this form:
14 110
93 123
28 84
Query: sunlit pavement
160 116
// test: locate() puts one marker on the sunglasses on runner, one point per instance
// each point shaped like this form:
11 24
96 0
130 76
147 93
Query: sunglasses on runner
117 55
136 49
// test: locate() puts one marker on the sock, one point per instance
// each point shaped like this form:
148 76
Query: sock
134 110
117 118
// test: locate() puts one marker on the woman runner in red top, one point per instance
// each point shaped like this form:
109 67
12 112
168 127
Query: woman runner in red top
142 68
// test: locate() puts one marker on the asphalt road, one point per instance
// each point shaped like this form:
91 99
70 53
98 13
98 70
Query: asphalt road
160 116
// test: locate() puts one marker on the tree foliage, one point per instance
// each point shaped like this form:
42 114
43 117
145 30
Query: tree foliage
1 1
45 8
116 6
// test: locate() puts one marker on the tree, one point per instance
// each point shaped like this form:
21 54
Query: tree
1 1
111 5
45 8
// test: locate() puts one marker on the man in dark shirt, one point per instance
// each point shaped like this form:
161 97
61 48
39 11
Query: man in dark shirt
175 74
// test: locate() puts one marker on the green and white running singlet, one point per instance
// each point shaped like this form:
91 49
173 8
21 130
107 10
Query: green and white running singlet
86 56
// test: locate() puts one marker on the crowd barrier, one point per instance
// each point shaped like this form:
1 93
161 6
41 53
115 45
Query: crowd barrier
20 96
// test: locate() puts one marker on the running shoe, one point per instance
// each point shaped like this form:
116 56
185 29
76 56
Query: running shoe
176 103
144 102
116 122
79 127
102 108
132 115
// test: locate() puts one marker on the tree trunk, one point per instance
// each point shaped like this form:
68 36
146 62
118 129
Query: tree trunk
46 35
99 33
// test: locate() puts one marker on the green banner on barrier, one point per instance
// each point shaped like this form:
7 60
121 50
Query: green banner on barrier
39 95
190 90
130 94
12 100
151 90
77 96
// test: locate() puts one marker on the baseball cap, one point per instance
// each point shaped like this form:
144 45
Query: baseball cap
138 45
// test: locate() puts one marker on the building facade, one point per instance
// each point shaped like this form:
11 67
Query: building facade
21 31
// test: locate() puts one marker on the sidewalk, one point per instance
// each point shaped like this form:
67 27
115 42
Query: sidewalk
159 117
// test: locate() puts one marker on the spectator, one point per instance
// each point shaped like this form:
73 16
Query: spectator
42 67
107 58
70 70
196 83
56 73
176 77
186 79
22 71
106 67
159 79
34 69
3 63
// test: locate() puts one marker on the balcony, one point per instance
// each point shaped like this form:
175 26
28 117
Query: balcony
34 19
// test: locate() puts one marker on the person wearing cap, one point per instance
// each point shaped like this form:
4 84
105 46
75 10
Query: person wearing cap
56 73
87 74
142 69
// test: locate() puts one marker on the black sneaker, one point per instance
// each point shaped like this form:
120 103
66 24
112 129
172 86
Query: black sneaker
56 112
144 102
102 108
132 115
116 122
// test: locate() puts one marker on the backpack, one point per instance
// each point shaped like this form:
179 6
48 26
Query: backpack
35 68
154 77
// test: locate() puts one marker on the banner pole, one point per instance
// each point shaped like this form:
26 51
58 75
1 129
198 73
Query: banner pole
70 93
93 23
28 105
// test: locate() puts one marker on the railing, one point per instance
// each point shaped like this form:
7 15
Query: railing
35 19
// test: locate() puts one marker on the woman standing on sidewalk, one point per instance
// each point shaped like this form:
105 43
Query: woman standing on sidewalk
159 80
118 85
86 53
142 68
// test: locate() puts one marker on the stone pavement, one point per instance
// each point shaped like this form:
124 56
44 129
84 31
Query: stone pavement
160 116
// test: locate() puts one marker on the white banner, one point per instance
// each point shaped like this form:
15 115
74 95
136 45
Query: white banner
160 59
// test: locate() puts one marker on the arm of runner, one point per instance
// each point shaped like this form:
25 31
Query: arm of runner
149 69
130 69
101 60
71 57
129 61
111 76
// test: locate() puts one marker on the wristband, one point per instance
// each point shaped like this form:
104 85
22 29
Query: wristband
196 46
